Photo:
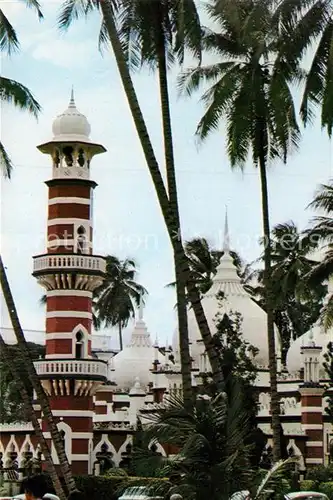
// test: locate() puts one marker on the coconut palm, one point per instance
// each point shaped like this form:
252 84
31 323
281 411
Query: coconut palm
21 387
251 91
73 9
116 299
35 381
155 34
13 92
297 303
311 23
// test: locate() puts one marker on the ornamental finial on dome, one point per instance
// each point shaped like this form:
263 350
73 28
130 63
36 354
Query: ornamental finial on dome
226 239
72 101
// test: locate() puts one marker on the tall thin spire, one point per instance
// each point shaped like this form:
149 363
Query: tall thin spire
226 238
72 101
141 308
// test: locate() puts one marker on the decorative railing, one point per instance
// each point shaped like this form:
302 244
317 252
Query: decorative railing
71 367
69 262
74 172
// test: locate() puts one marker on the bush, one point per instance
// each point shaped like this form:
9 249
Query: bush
99 487
116 473
320 474
307 485
327 488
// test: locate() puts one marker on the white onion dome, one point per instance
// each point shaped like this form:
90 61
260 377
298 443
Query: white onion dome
315 335
236 299
135 361
71 125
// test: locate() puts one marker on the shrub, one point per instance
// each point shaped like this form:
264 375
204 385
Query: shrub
116 473
307 485
327 488
103 488
320 474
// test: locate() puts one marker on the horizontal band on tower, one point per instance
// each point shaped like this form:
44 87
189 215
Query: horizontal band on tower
318 461
69 314
312 426
312 409
63 242
314 443
69 293
68 220
62 335
74 435
69 199
73 413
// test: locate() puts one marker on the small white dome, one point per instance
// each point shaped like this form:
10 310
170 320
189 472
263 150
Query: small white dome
316 334
136 359
71 125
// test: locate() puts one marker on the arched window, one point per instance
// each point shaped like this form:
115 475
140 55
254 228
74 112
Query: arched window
81 240
79 345
68 154
80 158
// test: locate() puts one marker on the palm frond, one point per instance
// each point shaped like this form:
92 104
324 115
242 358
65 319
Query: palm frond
8 38
5 161
15 93
326 314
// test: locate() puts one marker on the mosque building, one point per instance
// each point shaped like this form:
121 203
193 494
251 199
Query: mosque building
96 395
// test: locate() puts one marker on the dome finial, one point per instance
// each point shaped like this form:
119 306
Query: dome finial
226 239
72 101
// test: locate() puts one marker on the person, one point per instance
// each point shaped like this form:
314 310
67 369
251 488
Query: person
76 495
34 487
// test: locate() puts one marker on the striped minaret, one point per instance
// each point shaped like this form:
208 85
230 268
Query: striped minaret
312 404
69 272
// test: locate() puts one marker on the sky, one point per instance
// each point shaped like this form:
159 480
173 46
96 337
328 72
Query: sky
127 219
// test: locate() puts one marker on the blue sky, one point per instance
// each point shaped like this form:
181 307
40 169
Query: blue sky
127 220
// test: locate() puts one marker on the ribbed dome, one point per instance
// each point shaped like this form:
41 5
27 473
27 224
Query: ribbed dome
71 125
236 299
136 359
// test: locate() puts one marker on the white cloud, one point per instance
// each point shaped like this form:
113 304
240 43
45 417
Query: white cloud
66 54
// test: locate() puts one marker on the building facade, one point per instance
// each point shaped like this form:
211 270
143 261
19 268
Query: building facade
96 395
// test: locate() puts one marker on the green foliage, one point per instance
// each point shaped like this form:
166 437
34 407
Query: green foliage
308 485
320 474
11 404
116 473
327 488
103 488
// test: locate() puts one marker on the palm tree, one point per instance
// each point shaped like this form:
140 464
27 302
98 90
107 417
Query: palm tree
13 92
72 9
116 299
31 415
251 90
156 33
297 303
35 381
311 25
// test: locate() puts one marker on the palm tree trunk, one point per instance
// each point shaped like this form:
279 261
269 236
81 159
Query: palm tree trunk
165 206
41 396
120 333
33 418
184 344
275 405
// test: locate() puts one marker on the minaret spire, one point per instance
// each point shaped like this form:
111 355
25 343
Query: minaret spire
226 239
72 101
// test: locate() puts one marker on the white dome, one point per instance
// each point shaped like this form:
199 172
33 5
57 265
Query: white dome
71 125
136 359
236 299
316 334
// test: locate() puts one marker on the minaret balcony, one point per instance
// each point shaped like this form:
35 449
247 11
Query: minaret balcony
95 369
76 377
68 271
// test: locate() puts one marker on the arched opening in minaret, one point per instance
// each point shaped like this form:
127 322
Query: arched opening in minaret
81 158
79 345
68 155
81 240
